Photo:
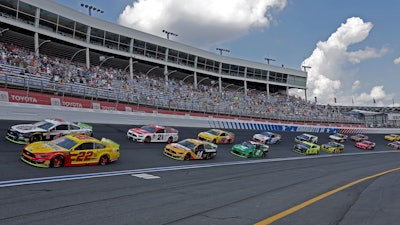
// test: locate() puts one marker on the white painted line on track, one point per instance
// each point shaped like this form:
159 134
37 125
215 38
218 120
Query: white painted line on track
11 183
145 176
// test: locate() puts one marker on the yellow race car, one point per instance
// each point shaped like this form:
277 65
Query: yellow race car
332 147
306 148
217 136
392 137
190 149
71 150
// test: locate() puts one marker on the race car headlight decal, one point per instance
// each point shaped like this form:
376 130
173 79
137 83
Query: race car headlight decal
42 156
26 135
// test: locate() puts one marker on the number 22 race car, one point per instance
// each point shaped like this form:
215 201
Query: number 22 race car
71 150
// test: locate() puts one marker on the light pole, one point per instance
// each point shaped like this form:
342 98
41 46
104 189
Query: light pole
37 49
305 68
227 86
206 78
269 59
104 60
192 75
129 65
153 68
90 8
222 50
76 53
169 33
4 30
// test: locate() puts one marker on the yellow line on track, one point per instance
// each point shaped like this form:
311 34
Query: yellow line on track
296 208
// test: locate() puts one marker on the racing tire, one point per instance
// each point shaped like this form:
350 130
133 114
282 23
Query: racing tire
35 138
264 154
147 139
187 157
103 160
214 141
170 140
250 155
57 161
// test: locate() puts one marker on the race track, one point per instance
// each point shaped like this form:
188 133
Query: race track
145 187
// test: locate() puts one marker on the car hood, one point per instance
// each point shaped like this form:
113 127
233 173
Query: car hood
27 128
206 134
301 147
139 131
260 136
239 147
44 147
178 147
334 137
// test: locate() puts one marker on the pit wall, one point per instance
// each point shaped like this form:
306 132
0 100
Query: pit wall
20 105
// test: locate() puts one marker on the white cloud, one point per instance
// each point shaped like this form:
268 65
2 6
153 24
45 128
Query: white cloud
201 23
368 53
331 76
396 61
377 93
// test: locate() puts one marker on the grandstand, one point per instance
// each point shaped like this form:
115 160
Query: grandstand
53 49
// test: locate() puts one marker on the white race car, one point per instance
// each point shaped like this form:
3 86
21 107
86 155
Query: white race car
338 137
153 133
267 137
46 130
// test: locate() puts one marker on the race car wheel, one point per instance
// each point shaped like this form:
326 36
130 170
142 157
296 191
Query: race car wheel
170 140
35 138
209 156
103 160
187 157
147 139
214 141
249 155
57 161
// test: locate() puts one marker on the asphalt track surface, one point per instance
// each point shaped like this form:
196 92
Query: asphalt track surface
145 187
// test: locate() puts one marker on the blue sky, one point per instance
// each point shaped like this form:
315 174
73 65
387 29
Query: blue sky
352 46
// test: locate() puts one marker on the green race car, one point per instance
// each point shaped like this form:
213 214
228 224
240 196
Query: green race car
250 149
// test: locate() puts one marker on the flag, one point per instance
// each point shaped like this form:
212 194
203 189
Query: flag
374 100
334 99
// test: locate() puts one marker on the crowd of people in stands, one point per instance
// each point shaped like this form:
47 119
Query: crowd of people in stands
172 93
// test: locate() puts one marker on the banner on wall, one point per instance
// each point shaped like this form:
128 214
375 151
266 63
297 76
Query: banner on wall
4 96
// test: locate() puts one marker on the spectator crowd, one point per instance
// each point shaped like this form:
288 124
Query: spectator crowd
153 90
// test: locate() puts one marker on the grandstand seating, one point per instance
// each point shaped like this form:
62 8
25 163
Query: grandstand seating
59 75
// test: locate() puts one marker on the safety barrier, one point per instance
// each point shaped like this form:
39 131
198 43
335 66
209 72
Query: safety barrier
33 112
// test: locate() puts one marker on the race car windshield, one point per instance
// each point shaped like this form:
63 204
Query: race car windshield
304 137
43 125
149 129
65 142
187 144
265 133
247 144
213 132
333 144
304 146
